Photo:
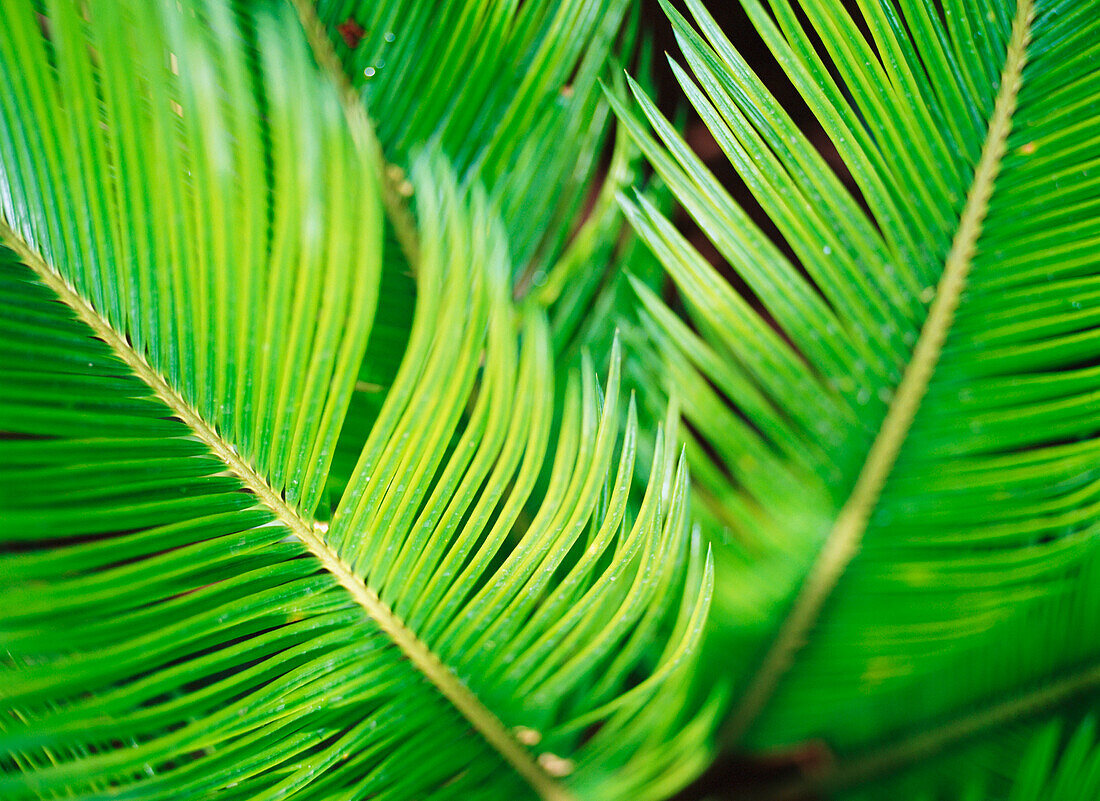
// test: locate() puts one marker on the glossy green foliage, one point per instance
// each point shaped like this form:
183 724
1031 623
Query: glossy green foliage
308 485
974 578
194 601
510 93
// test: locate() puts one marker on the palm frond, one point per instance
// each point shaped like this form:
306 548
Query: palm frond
510 95
897 430
195 239
509 92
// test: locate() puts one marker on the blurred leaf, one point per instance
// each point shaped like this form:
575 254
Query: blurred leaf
895 432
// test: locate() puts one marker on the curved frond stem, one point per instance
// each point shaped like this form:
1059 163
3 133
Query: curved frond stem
844 539
395 186
926 744
420 655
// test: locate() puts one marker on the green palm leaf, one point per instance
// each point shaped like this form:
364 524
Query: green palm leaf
512 98
195 234
897 431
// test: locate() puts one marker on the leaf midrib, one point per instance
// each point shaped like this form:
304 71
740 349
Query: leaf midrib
484 721
362 132
843 541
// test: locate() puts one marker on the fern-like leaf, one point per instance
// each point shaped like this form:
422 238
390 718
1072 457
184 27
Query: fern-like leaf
194 231
897 432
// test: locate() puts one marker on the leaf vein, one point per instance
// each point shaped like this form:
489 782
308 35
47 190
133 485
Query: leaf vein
843 541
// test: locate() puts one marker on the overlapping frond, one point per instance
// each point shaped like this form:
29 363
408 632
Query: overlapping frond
195 257
509 92
897 429
140 189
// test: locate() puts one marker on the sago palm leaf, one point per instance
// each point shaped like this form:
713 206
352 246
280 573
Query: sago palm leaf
194 231
510 93
896 426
